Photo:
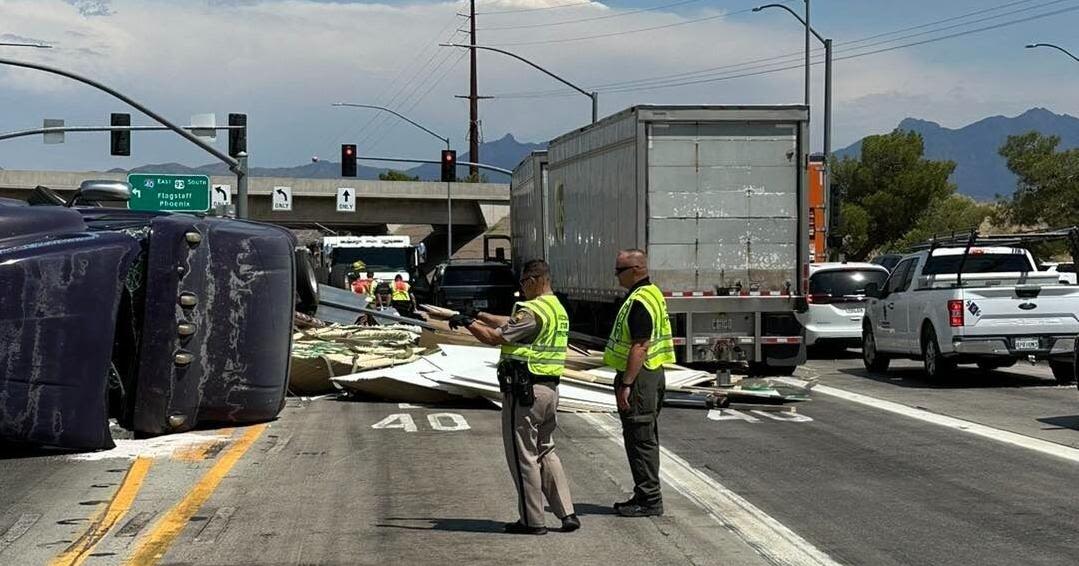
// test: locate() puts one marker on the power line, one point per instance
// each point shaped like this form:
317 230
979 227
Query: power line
519 10
625 32
384 97
594 18
378 123
857 55
796 55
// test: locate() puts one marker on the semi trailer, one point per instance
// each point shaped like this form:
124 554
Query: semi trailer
716 195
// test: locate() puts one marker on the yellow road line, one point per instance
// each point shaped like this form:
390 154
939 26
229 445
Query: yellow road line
154 544
118 506
203 450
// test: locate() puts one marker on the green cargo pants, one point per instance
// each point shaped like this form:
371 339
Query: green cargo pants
640 432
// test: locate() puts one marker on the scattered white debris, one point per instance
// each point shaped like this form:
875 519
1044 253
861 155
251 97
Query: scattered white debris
157 447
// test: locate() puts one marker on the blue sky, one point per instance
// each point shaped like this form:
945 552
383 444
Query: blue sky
284 61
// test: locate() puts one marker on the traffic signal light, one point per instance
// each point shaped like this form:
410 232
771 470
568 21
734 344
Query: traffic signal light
237 136
120 142
348 160
449 166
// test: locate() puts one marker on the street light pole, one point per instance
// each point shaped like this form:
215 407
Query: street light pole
808 28
592 95
1057 47
449 197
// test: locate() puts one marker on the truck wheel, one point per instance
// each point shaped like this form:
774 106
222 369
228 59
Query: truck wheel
306 283
871 358
339 276
1064 372
936 365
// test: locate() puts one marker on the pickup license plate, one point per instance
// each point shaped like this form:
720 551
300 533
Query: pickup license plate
1027 343
480 303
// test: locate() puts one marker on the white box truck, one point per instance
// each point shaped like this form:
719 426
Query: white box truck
717 197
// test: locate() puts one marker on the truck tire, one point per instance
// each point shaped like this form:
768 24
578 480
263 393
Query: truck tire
873 360
339 276
936 365
306 283
1063 371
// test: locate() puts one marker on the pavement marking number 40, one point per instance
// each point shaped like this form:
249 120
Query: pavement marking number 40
748 416
446 422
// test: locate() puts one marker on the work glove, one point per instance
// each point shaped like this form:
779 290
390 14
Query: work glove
460 320
470 312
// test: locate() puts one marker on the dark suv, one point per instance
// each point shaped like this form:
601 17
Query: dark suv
485 285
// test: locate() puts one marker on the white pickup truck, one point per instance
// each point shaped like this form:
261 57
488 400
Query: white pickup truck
971 304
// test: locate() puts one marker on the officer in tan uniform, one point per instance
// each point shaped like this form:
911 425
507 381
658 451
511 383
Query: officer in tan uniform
533 342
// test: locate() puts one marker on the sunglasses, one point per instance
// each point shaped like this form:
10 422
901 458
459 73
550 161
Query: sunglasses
623 269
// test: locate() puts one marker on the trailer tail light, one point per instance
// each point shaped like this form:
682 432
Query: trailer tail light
955 313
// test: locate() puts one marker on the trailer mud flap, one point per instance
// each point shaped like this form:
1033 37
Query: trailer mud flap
58 312
218 326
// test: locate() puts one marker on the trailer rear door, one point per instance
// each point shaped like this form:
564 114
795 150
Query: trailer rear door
723 205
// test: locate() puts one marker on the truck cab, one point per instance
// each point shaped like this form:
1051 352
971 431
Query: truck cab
386 256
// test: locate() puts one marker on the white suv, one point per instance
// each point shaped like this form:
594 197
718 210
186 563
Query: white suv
837 302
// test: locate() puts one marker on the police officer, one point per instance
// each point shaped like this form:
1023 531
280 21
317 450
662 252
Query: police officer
639 345
533 342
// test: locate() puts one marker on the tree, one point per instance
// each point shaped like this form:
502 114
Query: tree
395 175
1047 192
887 191
954 213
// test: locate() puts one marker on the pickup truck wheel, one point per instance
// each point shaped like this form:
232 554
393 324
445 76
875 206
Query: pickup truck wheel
1064 372
873 360
936 365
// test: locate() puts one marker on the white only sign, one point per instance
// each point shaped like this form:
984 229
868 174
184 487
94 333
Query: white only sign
346 199
221 195
282 199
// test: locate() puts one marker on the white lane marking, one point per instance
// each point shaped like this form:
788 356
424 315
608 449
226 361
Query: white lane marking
783 416
730 415
456 422
767 536
1004 436
400 420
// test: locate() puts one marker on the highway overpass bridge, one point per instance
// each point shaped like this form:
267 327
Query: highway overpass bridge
379 204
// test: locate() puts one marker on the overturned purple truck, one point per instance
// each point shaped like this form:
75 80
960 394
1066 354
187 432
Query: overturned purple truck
160 321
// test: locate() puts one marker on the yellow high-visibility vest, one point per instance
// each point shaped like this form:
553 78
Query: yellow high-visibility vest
546 355
660 345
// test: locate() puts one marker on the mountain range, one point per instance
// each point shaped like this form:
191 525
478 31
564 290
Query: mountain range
505 153
980 172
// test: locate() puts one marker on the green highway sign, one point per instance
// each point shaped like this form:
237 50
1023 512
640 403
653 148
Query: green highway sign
171 193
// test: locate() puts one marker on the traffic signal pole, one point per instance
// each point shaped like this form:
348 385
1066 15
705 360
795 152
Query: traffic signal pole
233 164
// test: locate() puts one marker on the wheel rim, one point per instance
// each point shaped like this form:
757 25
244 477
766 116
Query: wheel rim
869 349
931 356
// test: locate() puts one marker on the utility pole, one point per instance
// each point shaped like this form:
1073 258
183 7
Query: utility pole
473 98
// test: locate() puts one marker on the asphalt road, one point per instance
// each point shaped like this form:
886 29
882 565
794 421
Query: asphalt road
876 469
